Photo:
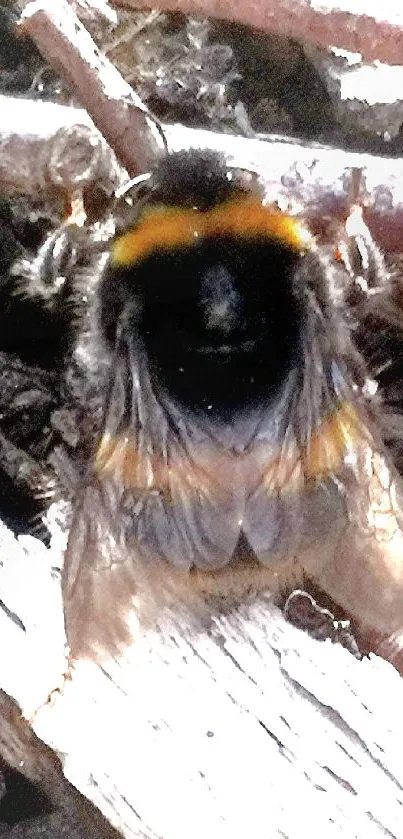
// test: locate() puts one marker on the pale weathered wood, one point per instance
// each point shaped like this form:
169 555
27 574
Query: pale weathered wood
243 727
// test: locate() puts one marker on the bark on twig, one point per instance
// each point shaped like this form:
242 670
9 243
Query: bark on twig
377 36
115 108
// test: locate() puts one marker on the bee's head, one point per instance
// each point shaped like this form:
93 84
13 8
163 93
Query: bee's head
208 279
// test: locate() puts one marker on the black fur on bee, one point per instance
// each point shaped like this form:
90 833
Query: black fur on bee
242 438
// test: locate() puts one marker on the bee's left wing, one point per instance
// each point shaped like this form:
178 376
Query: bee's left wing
158 500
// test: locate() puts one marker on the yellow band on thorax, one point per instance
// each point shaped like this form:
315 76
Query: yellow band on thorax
167 228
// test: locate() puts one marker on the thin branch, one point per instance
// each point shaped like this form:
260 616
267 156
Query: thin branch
115 108
375 36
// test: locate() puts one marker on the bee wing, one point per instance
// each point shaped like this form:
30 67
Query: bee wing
97 581
338 503
158 496
298 498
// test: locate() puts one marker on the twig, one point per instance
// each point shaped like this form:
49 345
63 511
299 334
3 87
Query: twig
115 108
375 36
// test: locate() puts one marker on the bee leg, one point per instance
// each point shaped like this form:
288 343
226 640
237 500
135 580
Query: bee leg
364 575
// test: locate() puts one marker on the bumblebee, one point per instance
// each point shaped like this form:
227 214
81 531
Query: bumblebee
242 442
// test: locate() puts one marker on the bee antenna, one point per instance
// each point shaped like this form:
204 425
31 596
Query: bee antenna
139 179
